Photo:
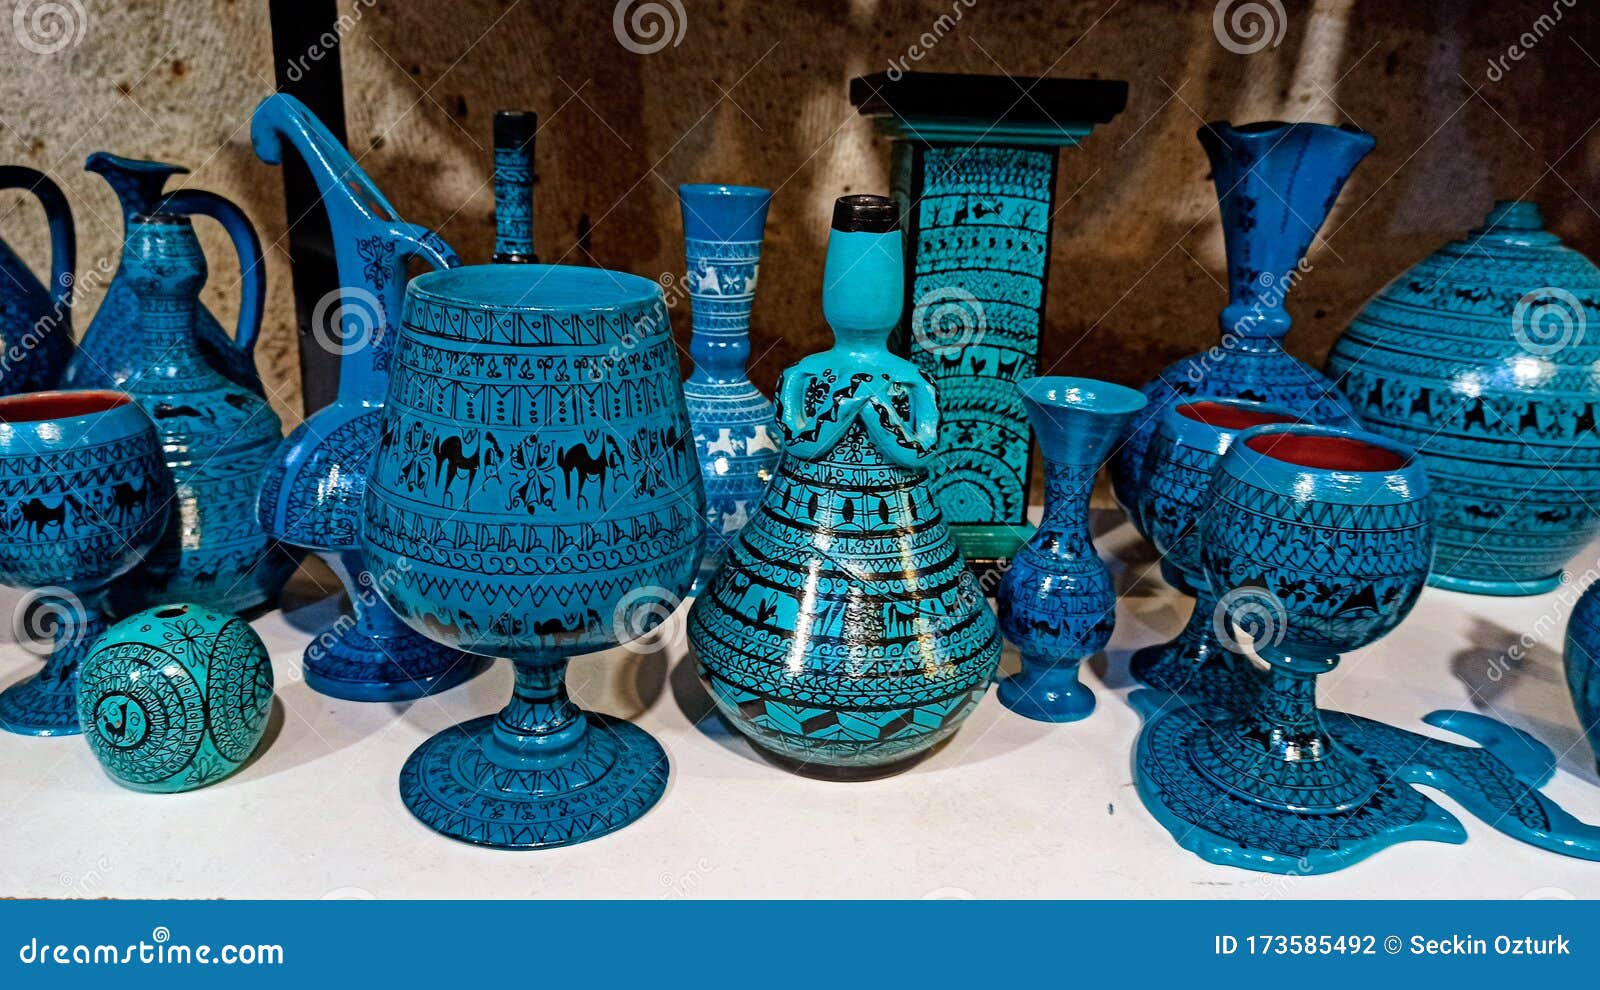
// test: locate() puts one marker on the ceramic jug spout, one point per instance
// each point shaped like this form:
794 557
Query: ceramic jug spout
1276 183
137 183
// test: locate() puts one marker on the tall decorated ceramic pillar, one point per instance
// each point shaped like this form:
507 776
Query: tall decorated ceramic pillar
974 170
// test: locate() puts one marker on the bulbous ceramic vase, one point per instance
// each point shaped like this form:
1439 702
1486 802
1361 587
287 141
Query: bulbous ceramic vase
1192 437
105 355
735 426
1483 356
514 132
1275 184
1056 600
35 317
844 629
1582 661
175 698
217 435
1317 541
84 494
559 512
312 488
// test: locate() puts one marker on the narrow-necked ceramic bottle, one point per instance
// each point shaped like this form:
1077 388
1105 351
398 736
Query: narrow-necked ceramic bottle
735 426
217 435
514 132
843 628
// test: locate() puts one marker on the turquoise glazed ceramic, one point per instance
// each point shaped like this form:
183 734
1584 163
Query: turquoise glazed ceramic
105 355
514 132
312 487
175 698
735 426
843 629
973 168
1582 661
1317 542
560 512
1483 357
84 494
1275 185
217 435
1056 600
1192 437
36 318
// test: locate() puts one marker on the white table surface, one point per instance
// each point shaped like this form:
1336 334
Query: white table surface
1008 808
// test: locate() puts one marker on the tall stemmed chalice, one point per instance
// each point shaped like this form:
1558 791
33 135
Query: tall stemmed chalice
534 496
84 494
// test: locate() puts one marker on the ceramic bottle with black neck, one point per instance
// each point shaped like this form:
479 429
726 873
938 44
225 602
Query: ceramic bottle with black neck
514 132
843 632
217 435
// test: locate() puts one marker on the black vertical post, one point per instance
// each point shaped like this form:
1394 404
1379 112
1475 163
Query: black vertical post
305 55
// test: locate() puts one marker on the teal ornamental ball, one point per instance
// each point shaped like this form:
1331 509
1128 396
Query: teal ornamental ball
175 697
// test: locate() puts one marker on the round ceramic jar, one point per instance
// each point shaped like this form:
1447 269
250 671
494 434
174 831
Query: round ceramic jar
1483 356
175 697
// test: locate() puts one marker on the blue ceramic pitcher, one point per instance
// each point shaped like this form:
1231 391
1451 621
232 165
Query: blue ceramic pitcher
35 320
313 485
104 355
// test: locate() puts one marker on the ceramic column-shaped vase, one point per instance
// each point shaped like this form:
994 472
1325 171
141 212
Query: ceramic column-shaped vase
217 435
735 426
84 494
1275 184
1192 437
312 489
974 171
1319 540
560 512
1582 662
35 318
1056 600
104 355
1483 356
514 132
843 629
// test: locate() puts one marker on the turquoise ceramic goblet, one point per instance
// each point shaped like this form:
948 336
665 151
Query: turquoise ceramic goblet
534 496
84 494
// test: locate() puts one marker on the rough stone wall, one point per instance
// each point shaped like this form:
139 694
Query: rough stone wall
755 92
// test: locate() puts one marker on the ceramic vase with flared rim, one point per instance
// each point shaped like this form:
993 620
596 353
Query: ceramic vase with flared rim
1056 601
371 655
1276 183
1192 438
735 425
1321 539
86 494
560 512
843 633
1478 356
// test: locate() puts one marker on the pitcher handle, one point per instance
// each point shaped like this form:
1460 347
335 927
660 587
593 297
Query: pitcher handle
252 268
63 239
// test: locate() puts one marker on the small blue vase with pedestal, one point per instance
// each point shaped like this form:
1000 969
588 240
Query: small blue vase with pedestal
843 632
1192 438
1056 600
1275 184
735 426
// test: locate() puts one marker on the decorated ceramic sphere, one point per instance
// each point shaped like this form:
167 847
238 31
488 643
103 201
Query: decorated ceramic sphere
175 697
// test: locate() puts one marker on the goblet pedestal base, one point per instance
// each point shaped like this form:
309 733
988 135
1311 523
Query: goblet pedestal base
357 665
45 704
462 783
1047 694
